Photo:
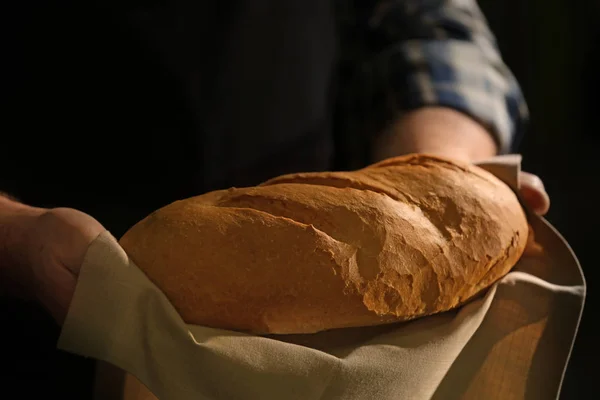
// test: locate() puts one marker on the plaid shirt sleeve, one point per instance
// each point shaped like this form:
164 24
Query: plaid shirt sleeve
438 52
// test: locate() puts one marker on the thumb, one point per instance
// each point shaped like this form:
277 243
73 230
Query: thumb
534 193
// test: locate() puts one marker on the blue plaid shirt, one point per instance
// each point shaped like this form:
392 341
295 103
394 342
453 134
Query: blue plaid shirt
414 53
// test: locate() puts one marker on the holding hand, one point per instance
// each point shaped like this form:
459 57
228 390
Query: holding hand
43 252
534 193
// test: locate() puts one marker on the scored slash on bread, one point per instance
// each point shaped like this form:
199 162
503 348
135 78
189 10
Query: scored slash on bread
301 253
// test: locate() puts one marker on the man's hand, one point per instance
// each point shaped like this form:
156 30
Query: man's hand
59 241
448 133
42 251
534 193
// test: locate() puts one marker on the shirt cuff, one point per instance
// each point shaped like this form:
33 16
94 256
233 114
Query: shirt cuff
460 75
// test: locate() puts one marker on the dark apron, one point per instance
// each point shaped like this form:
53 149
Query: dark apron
119 112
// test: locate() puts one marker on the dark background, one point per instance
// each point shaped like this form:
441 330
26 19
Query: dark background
552 47
554 50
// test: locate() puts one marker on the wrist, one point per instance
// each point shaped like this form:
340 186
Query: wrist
437 131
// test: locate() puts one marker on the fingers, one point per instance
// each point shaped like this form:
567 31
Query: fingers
57 292
71 231
534 193
533 248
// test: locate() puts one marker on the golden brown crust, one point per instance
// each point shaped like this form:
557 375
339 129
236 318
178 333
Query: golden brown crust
301 253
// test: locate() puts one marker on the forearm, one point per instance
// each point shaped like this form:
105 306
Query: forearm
437 131
437 56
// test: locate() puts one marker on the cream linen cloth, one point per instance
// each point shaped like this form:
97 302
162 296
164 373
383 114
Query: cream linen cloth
513 343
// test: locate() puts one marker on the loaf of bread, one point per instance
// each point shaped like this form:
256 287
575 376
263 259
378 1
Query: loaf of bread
407 237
